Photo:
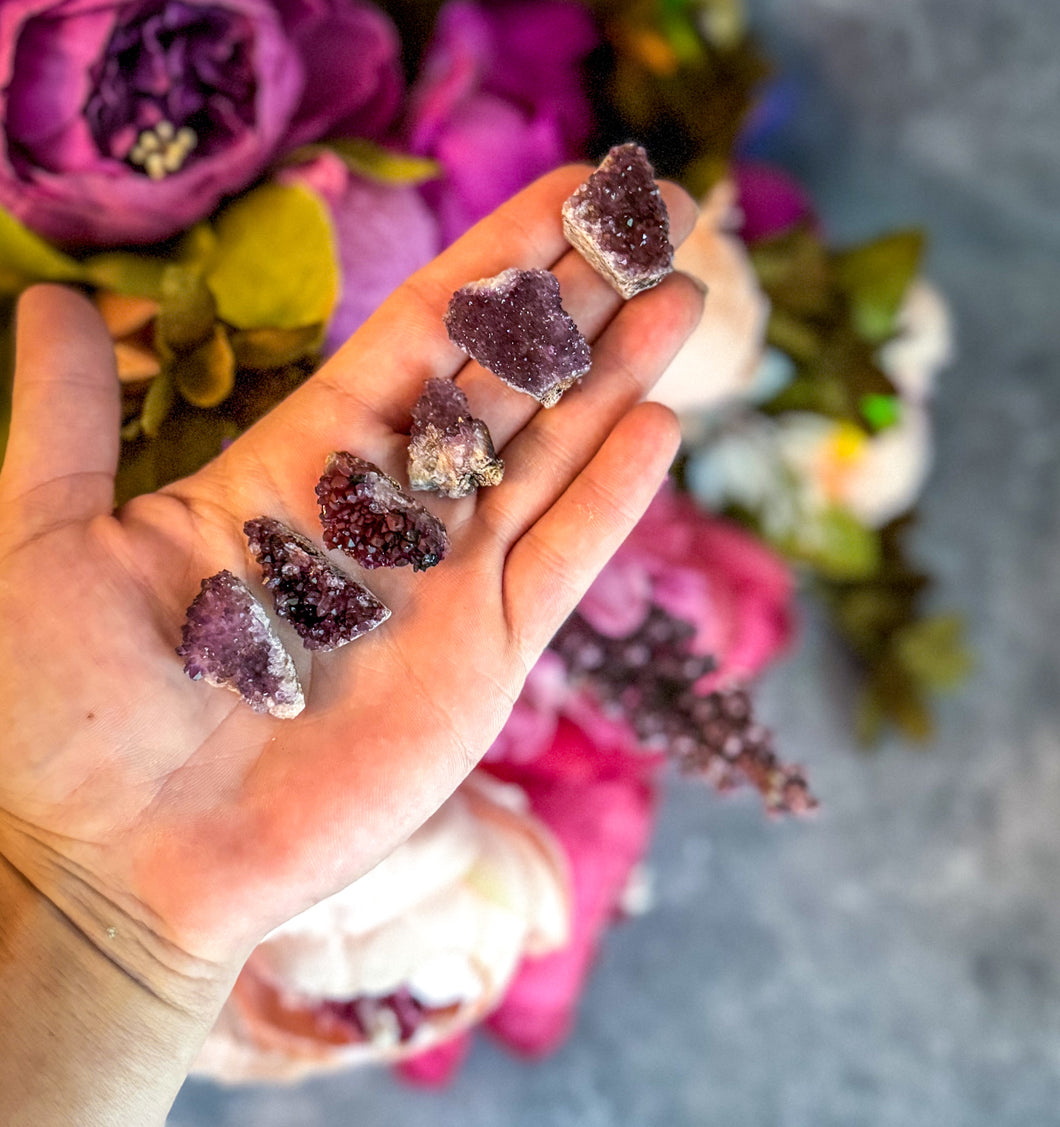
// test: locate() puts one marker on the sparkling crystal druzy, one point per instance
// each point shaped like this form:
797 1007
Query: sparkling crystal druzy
229 641
367 515
515 325
324 605
450 452
618 222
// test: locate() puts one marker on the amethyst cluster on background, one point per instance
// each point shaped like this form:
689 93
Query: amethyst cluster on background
515 325
126 121
450 452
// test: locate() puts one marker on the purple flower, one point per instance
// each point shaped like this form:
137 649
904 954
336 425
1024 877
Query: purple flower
383 232
124 121
500 100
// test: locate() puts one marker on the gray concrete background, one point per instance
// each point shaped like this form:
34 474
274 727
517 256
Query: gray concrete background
895 963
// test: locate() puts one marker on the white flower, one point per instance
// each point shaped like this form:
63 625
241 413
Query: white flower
720 358
444 921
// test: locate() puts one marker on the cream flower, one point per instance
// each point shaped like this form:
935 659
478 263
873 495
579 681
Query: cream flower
719 360
416 950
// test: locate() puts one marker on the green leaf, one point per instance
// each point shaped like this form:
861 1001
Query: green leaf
933 651
158 402
374 162
275 264
881 411
836 545
136 275
875 277
187 312
26 258
262 349
206 376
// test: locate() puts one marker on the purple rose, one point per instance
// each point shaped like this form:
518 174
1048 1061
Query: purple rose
383 233
124 121
500 100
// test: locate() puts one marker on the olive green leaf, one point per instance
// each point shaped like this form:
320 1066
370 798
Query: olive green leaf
158 402
274 266
875 277
206 375
187 310
262 349
933 651
372 161
26 258
835 544
137 275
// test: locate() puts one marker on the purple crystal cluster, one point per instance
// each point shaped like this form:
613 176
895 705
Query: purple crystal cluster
618 222
228 641
515 325
367 515
649 677
450 452
326 608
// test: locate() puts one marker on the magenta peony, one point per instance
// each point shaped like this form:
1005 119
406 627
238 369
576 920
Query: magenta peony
500 101
697 567
126 122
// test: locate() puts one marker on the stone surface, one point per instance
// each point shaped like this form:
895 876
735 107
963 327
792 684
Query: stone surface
896 961
618 222
367 515
515 325
228 641
450 452
324 605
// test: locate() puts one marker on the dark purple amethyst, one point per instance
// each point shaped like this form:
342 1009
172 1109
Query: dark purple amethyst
515 325
618 222
324 605
367 515
229 641
451 452
175 83
649 679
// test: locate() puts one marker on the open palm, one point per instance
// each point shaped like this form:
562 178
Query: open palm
169 817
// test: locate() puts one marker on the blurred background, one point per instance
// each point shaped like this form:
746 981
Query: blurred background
894 962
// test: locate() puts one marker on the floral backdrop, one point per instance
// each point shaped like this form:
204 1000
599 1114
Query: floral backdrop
239 183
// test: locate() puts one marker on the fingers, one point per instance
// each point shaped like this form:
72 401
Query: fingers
552 565
66 410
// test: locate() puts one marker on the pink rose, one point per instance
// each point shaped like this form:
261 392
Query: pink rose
126 122
500 100
383 233
707 571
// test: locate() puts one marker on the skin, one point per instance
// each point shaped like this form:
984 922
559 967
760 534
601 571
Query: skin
154 829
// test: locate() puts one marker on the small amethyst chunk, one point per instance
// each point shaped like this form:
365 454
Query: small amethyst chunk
367 515
515 325
618 222
324 605
451 452
229 641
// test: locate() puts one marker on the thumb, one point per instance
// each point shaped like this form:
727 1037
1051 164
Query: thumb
62 452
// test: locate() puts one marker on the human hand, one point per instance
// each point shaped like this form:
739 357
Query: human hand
171 824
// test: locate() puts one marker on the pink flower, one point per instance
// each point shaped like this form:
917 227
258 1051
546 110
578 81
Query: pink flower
499 101
771 201
126 122
383 232
697 567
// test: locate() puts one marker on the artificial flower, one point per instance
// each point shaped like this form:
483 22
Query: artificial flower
383 233
770 200
719 360
402 960
127 122
499 101
706 571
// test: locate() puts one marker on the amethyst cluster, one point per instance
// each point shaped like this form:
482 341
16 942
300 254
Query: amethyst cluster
515 325
228 641
326 608
650 678
618 222
451 452
367 515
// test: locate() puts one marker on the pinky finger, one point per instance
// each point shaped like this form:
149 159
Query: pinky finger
553 564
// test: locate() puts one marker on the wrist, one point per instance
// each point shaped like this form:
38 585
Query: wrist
86 1037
